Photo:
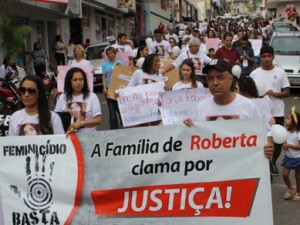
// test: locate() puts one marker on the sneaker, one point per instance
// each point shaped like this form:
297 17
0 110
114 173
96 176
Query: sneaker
274 169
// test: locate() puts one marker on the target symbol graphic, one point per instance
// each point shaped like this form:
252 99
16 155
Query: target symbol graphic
39 195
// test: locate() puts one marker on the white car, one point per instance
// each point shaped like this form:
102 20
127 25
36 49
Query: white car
94 53
286 46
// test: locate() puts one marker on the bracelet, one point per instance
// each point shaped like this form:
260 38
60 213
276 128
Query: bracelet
82 124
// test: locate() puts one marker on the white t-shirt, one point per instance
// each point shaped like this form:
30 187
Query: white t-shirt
275 80
123 49
199 59
293 139
162 49
82 62
139 78
187 36
239 108
167 36
179 85
82 109
265 106
20 119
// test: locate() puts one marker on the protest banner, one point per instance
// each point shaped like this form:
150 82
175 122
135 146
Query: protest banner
156 175
119 79
138 104
177 106
5 115
62 71
41 179
212 43
256 45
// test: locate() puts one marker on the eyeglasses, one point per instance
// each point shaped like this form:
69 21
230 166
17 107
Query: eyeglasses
31 91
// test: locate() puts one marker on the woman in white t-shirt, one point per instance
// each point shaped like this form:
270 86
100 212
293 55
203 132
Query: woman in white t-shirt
188 77
34 118
82 104
149 72
79 59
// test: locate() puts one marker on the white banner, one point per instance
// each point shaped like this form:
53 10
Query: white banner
139 104
159 175
256 45
177 106
41 179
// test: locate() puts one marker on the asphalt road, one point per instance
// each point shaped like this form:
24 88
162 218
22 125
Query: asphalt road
286 212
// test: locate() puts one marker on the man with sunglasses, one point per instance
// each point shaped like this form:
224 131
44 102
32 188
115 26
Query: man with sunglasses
277 88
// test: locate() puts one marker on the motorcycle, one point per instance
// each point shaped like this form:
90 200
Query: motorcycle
50 82
9 93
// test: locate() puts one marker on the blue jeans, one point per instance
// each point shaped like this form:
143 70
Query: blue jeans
113 111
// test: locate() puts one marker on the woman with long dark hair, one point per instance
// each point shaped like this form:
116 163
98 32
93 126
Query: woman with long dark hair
35 109
149 72
77 99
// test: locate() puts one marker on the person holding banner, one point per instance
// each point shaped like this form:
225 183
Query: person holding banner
149 72
79 59
35 113
224 102
76 90
107 70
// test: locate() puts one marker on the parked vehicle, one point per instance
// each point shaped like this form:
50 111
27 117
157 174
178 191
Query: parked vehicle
284 26
50 83
95 54
286 46
9 94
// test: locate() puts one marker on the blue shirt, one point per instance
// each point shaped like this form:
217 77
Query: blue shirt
107 70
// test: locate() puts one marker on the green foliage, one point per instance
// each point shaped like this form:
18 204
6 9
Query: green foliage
12 36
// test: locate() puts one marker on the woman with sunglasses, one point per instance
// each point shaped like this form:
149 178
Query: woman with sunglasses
35 110
76 90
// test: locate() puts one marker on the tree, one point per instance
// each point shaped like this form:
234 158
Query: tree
12 35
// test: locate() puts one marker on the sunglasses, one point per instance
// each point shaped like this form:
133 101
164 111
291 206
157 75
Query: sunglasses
31 91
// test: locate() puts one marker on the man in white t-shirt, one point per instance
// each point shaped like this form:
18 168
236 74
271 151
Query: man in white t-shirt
277 87
160 47
225 104
199 59
171 34
124 49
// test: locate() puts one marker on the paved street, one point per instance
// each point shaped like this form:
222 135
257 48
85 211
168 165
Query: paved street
285 212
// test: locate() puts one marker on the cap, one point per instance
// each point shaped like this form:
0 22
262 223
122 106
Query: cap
219 64
267 49
111 39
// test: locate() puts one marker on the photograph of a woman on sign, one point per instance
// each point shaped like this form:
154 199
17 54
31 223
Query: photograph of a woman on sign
124 3
78 109
29 129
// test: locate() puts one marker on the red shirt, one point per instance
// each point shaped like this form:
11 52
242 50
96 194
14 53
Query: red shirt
231 56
